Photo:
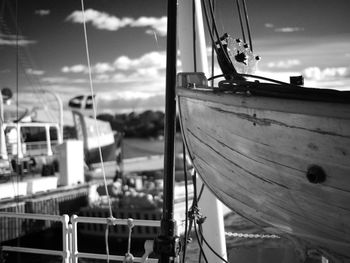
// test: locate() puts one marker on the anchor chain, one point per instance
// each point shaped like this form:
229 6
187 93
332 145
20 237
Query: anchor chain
246 235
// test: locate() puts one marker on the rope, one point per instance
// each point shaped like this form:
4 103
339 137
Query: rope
248 27
212 47
186 202
97 128
240 20
94 108
225 55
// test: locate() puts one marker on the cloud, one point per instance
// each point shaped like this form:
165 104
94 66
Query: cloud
62 80
269 25
158 25
35 72
100 20
101 68
129 78
104 21
13 40
316 73
149 60
284 64
283 29
42 12
289 29
75 69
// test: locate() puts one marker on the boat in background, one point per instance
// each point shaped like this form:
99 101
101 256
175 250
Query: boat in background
276 153
95 133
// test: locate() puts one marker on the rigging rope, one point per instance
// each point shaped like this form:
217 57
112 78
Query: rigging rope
98 131
247 23
94 107
240 20
212 47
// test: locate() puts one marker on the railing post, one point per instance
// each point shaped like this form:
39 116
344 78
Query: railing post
65 238
74 239
48 140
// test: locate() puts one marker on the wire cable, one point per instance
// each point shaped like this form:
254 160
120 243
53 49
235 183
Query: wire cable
94 107
212 250
212 48
186 202
96 127
224 50
240 20
247 23
200 246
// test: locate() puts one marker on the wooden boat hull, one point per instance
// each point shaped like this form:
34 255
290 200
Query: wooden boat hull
254 153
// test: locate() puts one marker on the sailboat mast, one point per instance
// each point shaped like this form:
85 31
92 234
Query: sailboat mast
167 242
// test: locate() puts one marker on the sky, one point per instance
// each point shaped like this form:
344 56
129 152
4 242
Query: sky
127 47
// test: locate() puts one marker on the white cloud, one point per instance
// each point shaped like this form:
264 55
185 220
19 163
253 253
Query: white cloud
284 64
42 12
75 69
13 40
158 25
62 80
289 29
35 72
315 73
101 68
269 25
153 59
100 20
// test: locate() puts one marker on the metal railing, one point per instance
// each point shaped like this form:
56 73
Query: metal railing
69 252
64 219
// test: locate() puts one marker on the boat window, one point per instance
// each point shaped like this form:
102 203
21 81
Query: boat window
76 102
33 134
53 134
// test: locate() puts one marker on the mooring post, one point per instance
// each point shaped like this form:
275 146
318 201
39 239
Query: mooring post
167 243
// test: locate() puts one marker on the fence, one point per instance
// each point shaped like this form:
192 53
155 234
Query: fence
69 252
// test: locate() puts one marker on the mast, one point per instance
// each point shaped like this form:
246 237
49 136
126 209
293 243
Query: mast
167 243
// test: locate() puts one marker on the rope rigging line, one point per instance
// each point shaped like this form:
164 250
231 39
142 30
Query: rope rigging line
110 219
212 48
186 202
247 24
94 107
225 55
240 20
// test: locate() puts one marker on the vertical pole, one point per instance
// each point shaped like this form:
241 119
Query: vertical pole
74 239
65 238
166 241
3 149
48 140
211 207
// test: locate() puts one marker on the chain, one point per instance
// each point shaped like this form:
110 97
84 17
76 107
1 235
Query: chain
242 235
